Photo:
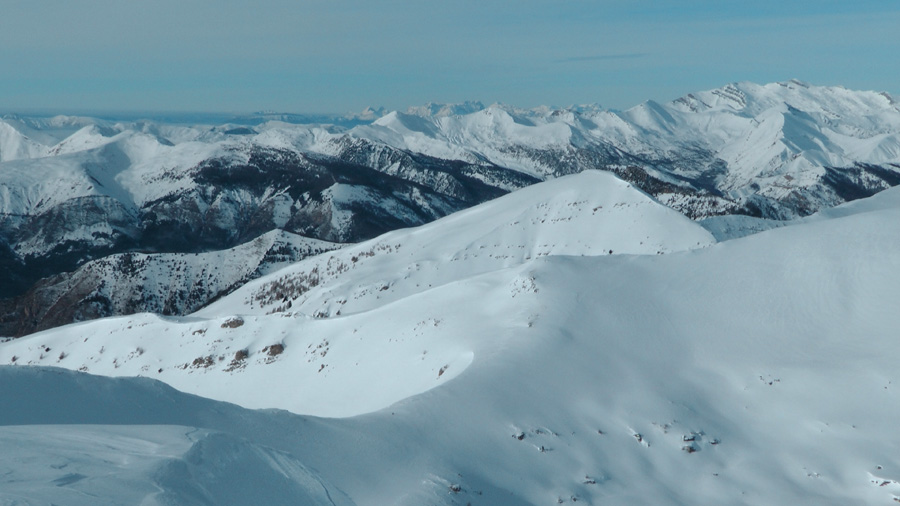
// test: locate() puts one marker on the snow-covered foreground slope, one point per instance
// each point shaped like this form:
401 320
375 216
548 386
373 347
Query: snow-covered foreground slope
150 465
755 371
78 440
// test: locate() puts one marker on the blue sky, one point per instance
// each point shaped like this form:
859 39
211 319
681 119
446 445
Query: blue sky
344 55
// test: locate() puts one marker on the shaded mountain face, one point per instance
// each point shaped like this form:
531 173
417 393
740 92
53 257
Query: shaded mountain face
67 255
163 283
221 202
76 190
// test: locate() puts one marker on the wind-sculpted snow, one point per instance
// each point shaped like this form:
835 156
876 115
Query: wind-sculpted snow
758 370
122 443
537 349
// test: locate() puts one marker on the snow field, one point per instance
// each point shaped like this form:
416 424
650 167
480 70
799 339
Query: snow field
757 370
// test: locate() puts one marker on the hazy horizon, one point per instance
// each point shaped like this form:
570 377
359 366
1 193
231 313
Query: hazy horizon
226 57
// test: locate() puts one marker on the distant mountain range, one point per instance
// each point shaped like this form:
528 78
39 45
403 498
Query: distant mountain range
75 191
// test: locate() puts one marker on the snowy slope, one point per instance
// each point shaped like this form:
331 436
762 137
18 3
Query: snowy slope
49 131
124 443
15 145
150 465
94 162
535 350
754 371
591 213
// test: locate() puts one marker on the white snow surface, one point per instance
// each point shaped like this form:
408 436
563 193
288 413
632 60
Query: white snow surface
15 145
592 213
755 371
80 440
759 370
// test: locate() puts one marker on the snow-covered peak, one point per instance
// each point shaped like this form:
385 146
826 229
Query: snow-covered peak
592 213
86 138
589 214
15 145
751 99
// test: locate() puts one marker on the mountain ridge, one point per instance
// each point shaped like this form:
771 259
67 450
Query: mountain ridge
757 370
778 151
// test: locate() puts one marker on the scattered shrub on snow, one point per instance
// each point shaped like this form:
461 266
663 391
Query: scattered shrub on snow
206 361
274 350
239 360
233 323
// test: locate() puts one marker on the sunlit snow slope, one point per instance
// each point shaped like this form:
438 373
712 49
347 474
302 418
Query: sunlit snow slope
754 371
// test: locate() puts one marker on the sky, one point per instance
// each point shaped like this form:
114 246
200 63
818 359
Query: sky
337 56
